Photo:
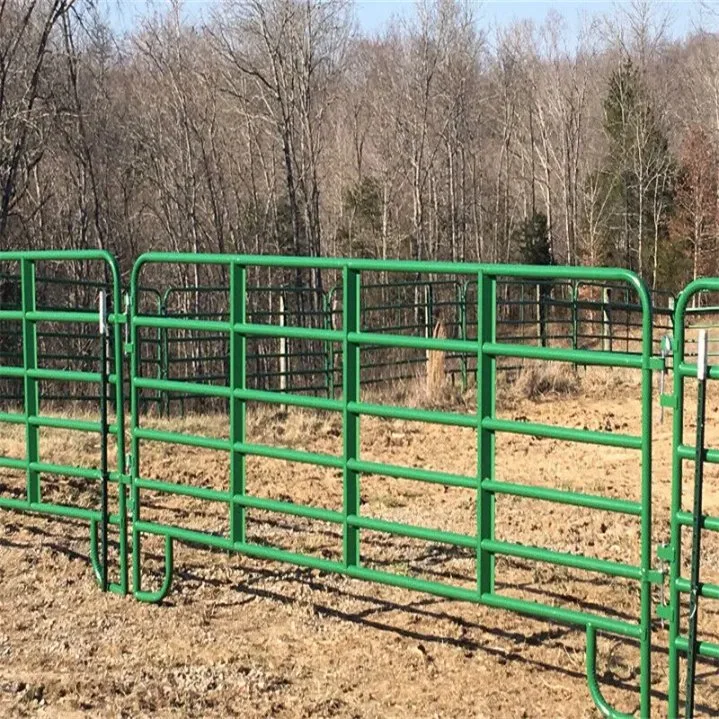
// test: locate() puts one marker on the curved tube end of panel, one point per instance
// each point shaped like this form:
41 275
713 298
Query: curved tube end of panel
606 709
157 596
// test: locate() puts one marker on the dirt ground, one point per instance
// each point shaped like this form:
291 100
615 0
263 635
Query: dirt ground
239 637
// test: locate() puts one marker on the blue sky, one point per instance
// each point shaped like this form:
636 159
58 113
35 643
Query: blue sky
373 15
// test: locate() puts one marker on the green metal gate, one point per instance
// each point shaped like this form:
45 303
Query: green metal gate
105 377
351 339
689 369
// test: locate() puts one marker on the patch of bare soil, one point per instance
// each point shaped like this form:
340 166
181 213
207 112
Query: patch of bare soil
239 637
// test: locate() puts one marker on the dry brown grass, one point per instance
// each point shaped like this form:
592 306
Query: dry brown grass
243 637
436 371
541 379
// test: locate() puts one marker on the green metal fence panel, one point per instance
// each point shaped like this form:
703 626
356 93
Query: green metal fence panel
686 371
33 373
486 348
495 316
558 313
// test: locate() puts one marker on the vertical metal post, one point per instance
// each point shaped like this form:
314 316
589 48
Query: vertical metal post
284 360
329 348
135 442
123 337
606 320
350 418
238 409
675 543
646 548
665 350
670 307
428 314
575 317
30 385
121 334
627 317
696 523
104 476
462 304
486 400
164 352
541 315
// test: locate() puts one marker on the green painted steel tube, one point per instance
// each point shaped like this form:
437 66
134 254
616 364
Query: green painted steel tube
411 414
12 372
413 473
298 510
486 411
64 470
646 549
70 316
558 354
77 425
291 332
30 385
710 591
187 440
537 272
183 386
560 615
351 376
12 418
687 451
686 369
238 407
567 434
563 616
134 504
412 342
591 664
710 523
564 559
290 455
13 463
679 454
63 375
104 433
704 649
192 536
172 323
558 496
412 531
262 503
292 400
161 593
182 490
54 510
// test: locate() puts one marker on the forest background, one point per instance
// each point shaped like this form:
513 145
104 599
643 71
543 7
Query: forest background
280 126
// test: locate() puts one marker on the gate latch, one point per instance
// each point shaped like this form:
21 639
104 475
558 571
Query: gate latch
665 400
127 346
664 610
